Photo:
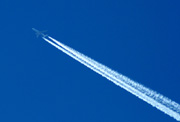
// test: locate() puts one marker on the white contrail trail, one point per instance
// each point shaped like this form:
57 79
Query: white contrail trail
155 99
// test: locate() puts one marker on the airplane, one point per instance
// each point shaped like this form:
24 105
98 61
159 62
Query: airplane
39 33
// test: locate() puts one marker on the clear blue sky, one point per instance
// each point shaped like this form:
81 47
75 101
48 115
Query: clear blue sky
38 83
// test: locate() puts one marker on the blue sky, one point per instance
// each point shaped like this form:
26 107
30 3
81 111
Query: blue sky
139 39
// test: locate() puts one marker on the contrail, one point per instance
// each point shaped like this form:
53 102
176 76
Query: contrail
155 99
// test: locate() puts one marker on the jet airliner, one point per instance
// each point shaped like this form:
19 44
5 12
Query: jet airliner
39 33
